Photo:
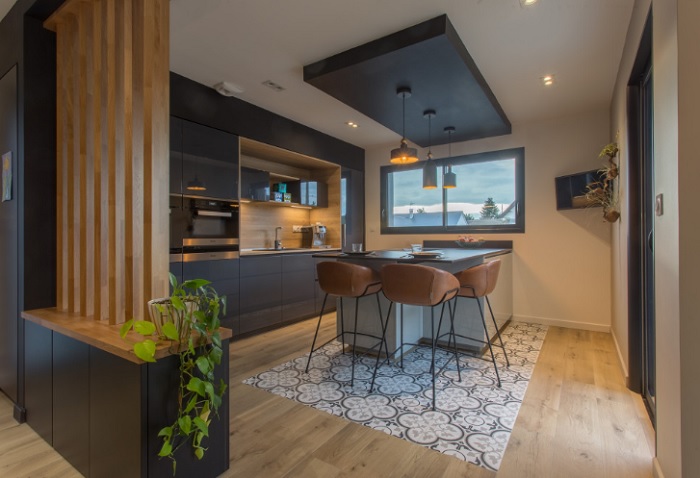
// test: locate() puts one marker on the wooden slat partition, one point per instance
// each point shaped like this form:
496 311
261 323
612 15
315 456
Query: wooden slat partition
112 156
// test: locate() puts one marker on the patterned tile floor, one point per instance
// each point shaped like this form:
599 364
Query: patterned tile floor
473 419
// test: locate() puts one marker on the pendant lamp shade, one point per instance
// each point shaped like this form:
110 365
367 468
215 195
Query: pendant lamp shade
449 179
429 168
196 185
404 154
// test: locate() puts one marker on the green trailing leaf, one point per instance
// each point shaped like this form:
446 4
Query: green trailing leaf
196 385
199 452
201 425
144 327
209 389
203 364
215 354
166 449
166 432
177 302
173 280
170 331
191 404
145 350
185 424
195 284
124 329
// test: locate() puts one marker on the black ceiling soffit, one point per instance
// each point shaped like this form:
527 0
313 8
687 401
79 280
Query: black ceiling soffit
429 58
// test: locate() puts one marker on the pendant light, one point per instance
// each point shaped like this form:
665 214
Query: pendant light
429 169
403 154
196 185
449 179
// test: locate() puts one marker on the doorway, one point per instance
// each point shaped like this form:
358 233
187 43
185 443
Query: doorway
641 303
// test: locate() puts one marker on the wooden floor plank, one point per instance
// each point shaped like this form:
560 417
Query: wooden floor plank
577 420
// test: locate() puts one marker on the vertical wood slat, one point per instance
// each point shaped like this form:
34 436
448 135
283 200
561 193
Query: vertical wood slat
112 155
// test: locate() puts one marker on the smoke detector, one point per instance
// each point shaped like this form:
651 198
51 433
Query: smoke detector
228 89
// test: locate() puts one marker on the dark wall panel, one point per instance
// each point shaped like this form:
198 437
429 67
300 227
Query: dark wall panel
9 265
71 401
117 410
195 102
38 383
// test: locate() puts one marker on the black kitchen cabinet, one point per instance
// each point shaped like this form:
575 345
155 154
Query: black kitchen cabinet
298 286
224 278
352 207
261 292
309 192
175 155
203 161
255 184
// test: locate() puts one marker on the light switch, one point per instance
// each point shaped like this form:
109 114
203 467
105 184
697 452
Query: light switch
659 208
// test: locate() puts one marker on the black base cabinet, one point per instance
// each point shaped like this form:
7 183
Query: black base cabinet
261 292
107 411
298 287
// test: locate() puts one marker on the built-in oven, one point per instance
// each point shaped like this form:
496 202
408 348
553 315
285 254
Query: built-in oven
203 229
204 245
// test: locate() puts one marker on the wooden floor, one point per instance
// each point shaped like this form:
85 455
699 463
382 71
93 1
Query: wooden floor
577 420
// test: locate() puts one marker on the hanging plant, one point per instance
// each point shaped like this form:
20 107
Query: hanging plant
603 192
189 321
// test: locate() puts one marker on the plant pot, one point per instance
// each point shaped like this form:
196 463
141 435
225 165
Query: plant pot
611 215
162 311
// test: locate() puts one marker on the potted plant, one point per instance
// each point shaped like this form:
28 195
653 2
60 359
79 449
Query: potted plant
602 192
189 321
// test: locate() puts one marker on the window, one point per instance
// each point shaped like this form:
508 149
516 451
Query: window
489 197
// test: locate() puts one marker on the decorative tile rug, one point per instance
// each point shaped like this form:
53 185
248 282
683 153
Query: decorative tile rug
473 417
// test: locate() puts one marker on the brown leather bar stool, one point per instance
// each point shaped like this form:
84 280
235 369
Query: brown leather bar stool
346 280
423 286
478 282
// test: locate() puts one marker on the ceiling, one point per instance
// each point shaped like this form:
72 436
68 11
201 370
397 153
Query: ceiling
250 41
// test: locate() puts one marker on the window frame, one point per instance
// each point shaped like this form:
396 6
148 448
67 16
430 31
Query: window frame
518 228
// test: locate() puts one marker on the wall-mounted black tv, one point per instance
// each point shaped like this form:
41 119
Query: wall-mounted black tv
571 189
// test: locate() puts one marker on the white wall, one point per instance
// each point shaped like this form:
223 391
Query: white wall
561 268
677 232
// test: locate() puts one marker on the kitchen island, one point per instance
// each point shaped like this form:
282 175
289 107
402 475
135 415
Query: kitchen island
416 320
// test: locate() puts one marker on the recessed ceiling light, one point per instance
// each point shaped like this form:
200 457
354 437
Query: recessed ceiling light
352 124
527 3
548 80
271 84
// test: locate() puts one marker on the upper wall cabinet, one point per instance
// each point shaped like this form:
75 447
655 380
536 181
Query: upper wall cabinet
203 161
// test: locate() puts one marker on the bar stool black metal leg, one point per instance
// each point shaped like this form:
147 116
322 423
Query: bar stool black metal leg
432 361
401 336
453 336
442 313
318 326
498 332
385 325
354 343
381 321
488 341
342 326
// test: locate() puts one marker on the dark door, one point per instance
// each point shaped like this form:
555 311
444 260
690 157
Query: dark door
9 265
648 210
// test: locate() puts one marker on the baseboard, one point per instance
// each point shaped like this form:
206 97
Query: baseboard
656 468
563 323
19 413
621 360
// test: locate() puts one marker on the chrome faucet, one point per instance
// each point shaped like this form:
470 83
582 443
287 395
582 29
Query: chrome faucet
278 243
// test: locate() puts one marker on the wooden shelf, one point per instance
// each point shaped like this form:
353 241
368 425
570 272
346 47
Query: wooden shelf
99 334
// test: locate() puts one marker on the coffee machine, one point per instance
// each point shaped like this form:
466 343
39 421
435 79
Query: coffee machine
319 236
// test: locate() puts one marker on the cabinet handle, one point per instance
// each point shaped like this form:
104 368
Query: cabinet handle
203 212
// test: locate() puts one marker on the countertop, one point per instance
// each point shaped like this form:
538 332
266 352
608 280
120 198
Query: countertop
98 334
452 260
291 250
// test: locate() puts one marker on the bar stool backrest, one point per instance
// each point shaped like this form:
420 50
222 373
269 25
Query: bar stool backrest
347 280
482 279
414 284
